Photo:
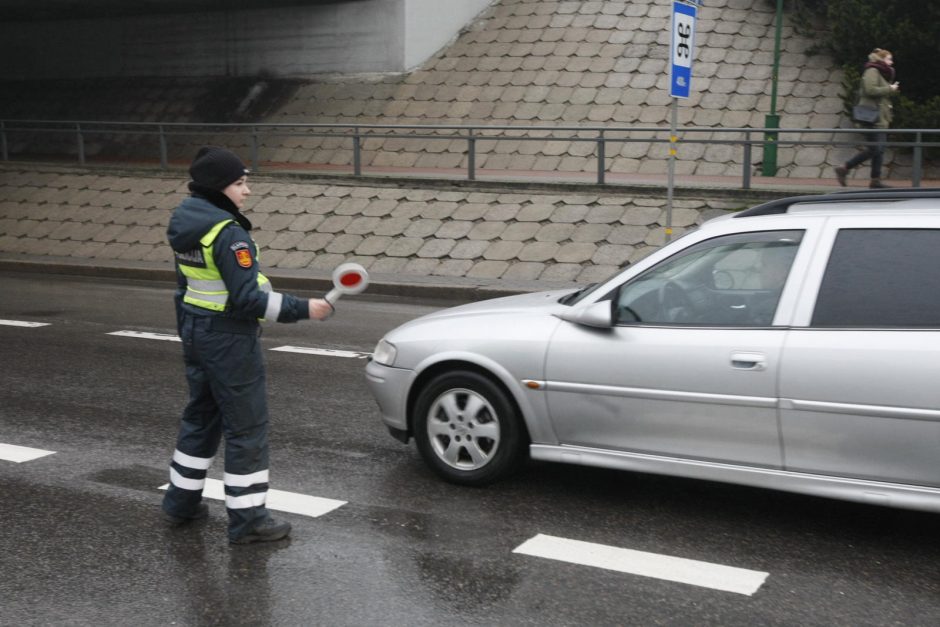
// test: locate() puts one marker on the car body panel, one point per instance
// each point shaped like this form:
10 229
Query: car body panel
681 392
851 413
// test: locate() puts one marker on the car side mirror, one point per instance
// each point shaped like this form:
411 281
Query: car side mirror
599 315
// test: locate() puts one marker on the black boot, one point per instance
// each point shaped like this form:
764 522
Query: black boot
201 511
267 530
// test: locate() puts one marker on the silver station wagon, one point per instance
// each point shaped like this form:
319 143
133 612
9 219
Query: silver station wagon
793 346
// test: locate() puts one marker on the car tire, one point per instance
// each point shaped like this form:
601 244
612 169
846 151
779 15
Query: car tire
467 429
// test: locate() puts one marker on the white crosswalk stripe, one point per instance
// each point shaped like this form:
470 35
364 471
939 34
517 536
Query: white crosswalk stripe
303 350
326 352
693 572
290 502
23 323
147 336
19 454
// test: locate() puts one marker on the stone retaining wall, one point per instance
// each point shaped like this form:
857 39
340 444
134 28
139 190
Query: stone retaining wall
401 231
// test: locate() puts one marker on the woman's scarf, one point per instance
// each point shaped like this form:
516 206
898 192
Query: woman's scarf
886 71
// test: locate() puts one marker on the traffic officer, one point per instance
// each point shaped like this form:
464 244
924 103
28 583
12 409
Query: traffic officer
220 297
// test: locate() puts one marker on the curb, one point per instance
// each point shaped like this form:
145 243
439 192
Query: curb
454 290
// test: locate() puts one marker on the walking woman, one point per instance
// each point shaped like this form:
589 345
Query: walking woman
877 87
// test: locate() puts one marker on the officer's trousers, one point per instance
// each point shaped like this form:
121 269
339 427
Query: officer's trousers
227 397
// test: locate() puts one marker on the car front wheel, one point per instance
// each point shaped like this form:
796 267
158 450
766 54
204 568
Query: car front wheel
467 429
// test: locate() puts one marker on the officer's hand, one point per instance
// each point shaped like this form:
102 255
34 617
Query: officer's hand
320 309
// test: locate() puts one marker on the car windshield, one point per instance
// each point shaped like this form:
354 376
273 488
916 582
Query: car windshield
587 290
731 280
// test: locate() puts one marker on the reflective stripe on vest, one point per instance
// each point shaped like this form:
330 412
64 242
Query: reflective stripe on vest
204 286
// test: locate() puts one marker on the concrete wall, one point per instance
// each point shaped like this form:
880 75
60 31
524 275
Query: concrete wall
367 36
431 24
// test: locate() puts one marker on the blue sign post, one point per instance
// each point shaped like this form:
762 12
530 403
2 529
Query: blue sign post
682 43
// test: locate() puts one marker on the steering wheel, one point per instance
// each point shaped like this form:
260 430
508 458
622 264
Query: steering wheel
674 303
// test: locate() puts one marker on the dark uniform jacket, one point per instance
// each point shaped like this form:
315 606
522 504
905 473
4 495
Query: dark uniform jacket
194 218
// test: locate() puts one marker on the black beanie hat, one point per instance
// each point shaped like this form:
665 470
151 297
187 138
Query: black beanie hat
216 168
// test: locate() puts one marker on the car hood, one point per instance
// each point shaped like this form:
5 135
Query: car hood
498 306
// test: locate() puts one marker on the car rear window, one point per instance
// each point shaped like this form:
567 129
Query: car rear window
881 278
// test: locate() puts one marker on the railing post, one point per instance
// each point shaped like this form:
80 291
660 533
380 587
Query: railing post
601 158
3 141
81 144
163 157
746 179
357 153
471 156
255 164
918 161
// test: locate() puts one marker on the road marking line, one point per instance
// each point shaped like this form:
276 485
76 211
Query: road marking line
290 502
678 569
23 323
147 336
14 453
326 352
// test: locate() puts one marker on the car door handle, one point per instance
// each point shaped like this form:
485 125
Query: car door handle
748 361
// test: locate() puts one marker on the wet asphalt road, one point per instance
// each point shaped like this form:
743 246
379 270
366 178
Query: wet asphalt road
82 542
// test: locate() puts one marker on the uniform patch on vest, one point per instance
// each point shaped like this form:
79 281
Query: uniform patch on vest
243 257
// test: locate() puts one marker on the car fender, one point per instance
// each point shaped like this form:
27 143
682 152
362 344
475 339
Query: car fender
531 402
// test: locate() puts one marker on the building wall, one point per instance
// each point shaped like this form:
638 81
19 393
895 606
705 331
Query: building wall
429 25
369 36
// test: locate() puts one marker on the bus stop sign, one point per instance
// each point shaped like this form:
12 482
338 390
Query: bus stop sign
682 44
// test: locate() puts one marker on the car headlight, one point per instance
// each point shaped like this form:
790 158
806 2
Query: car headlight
384 353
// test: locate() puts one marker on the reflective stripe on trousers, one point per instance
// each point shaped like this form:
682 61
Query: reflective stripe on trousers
226 377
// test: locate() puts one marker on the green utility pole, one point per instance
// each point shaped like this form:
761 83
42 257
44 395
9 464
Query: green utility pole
772 120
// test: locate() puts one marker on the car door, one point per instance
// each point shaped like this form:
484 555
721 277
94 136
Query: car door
860 386
690 368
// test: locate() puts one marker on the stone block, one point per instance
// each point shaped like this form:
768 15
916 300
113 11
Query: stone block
314 241
296 259
591 233
388 266
486 230
577 252
392 226
535 213
520 231
560 272
502 250
538 251
344 243
523 271
595 274
569 213
469 249
470 211
404 246
488 269
612 255
286 240
555 232
373 245
422 228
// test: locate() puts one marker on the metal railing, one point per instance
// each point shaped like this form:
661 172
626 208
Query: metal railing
745 139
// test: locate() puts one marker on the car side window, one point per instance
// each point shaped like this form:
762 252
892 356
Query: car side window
733 280
881 278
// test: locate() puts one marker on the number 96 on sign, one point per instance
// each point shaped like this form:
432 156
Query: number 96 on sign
683 38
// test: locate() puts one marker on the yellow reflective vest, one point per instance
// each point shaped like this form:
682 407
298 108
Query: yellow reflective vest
204 285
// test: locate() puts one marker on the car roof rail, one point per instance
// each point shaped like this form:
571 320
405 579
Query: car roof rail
782 205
